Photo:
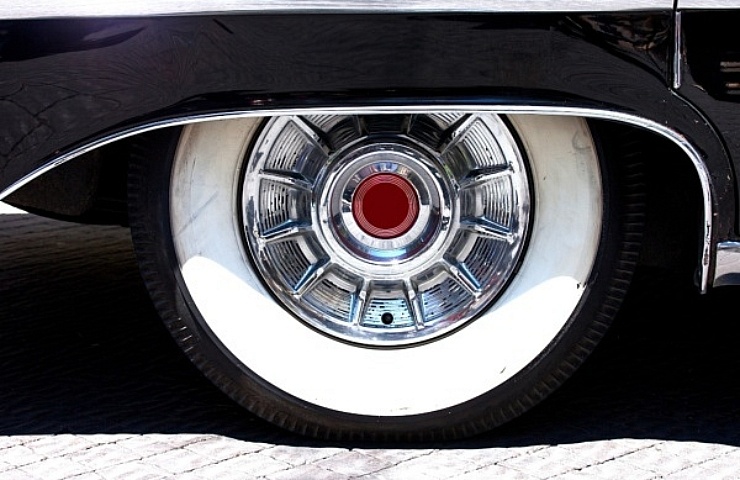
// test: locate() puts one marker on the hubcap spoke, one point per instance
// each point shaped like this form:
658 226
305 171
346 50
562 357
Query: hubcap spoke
412 297
484 175
318 137
487 228
408 124
455 133
284 177
360 125
289 229
311 278
460 273
359 303
315 135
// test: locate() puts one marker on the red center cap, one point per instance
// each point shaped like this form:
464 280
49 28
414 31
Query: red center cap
385 205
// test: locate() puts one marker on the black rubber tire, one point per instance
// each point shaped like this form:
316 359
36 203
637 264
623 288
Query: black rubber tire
623 195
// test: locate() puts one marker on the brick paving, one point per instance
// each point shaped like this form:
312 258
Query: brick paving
91 387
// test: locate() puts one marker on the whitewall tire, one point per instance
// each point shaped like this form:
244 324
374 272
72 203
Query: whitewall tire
192 218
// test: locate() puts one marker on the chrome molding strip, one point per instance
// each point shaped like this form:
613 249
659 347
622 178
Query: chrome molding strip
727 265
708 4
658 128
677 52
14 9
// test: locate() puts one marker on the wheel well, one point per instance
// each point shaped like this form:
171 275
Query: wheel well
673 217
88 189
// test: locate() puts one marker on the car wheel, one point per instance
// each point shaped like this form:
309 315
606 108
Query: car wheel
384 277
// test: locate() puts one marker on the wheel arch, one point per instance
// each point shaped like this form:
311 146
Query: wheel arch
654 135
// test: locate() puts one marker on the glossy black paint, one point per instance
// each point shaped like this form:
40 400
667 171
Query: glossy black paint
66 82
711 73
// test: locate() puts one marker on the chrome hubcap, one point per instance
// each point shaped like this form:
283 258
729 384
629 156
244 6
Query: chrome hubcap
386 229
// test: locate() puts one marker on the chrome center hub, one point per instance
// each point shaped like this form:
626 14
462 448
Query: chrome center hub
383 206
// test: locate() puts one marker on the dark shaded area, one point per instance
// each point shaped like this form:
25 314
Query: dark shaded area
712 53
81 347
90 189
667 370
82 351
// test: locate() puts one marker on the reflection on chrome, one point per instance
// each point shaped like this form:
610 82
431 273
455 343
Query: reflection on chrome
140 8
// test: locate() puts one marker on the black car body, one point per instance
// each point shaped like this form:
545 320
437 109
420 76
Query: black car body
101 103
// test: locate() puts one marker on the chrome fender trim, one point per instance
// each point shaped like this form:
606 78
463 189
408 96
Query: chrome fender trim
707 4
727 264
676 137
139 8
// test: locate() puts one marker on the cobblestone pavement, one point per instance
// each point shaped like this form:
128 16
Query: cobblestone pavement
92 387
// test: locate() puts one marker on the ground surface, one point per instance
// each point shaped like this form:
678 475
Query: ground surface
92 387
